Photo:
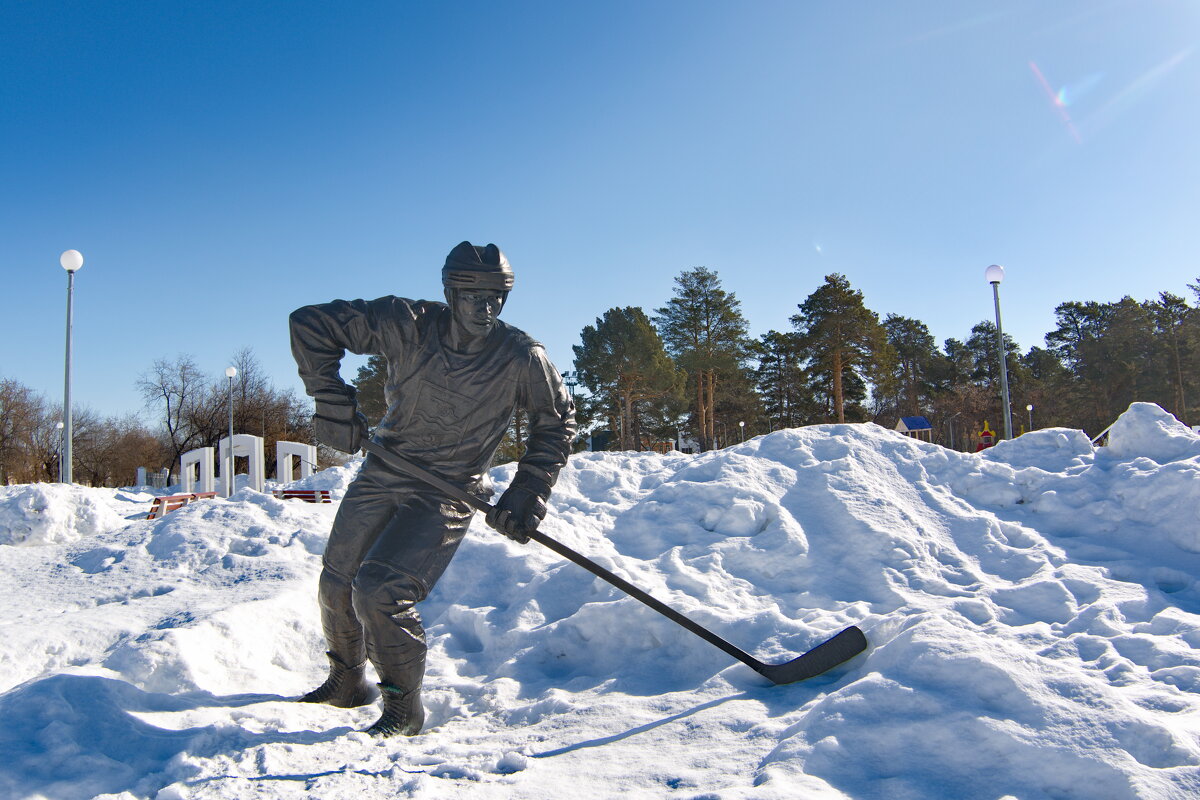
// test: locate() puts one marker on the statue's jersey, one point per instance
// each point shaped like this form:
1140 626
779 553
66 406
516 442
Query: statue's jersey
445 410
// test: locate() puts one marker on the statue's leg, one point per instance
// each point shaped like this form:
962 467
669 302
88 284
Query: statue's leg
369 505
399 571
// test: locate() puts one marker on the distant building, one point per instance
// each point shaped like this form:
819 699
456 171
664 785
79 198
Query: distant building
916 427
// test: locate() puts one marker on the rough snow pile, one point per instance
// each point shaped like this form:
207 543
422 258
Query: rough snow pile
55 513
1033 613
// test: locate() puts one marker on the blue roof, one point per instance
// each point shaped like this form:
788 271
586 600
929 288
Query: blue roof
916 423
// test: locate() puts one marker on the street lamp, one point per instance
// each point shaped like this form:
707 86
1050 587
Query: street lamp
58 430
742 425
951 424
230 372
994 274
71 261
1029 408
571 379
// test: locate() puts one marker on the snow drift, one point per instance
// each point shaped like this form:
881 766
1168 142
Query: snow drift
1033 614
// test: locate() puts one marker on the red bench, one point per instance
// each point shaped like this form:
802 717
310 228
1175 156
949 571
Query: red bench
173 502
307 495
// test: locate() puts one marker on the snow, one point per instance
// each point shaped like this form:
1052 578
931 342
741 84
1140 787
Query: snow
1033 613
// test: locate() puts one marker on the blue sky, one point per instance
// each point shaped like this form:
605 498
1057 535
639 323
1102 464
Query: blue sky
221 163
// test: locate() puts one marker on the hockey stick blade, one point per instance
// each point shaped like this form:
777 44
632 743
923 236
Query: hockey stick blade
825 656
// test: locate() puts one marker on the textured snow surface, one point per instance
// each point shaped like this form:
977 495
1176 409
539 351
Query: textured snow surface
1033 613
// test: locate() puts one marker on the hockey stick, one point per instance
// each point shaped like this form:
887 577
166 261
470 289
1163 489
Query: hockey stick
833 651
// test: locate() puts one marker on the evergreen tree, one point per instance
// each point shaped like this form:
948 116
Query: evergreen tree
1175 323
704 330
1109 349
369 383
1048 389
780 380
735 402
916 354
985 374
622 359
844 343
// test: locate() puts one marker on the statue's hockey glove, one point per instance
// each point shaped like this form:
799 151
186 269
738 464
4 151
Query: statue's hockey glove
340 425
521 508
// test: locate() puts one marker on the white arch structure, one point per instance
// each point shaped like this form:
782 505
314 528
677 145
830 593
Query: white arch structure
244 444
287 454
196 470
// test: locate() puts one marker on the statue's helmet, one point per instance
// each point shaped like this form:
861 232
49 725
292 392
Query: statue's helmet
472 267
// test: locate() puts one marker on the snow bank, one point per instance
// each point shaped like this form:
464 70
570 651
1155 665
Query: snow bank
1033 614
55 513
1145 430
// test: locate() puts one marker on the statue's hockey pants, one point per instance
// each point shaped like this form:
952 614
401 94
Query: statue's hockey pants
392 539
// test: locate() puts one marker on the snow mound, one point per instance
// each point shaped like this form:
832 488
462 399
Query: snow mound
55 513
1048 449
1148 431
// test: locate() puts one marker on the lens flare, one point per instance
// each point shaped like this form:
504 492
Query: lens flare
1057 101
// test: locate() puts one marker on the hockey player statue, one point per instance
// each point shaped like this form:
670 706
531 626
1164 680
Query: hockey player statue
455 376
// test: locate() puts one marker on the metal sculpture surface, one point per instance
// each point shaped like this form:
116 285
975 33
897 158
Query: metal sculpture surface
455 376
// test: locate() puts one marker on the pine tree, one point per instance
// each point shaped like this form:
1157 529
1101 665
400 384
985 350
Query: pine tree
704 330
780 380
916 354
1173 321
623 360
1110 350
369 383
985 372
844 343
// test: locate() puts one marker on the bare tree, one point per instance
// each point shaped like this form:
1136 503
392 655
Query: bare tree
176 388
21 413
195 406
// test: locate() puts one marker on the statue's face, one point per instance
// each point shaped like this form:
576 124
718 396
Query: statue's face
476 310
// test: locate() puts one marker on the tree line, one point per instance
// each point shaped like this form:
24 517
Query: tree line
690 370
106 451
191 409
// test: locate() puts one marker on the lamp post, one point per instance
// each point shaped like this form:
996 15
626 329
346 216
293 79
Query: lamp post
742 425
1029 408
994 274
571 379
58 430
71 261
230 372
951 424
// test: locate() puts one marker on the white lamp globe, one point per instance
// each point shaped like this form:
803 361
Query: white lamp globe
71 260
994 273
230 372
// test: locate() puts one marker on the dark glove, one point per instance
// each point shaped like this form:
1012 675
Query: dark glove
339 425
521 508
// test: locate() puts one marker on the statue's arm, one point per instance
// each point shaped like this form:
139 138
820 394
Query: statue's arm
321 336
551 415
551 431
